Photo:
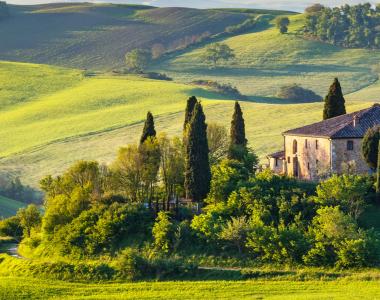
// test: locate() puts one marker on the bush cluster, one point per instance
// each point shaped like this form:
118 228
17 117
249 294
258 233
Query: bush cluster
225 89
297 93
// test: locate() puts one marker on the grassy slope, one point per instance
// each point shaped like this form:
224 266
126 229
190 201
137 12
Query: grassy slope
98 35
9 207
54 116
16 288
266 60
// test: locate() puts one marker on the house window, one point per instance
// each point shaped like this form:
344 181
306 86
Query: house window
288 159
308 166
294 146
316 144
317 163
306 143
276 162
350 145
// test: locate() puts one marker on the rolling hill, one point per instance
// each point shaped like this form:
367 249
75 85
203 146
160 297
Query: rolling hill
266 60
97 36
52 116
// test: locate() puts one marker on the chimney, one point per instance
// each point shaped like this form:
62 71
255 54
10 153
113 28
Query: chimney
356 121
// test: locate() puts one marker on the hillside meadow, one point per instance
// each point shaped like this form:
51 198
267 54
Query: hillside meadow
27 288
60 116
97 36
266 60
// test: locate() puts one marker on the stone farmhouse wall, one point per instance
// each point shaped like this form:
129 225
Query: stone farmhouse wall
310 157
345 160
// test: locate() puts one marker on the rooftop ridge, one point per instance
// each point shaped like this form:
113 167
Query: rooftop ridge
342 126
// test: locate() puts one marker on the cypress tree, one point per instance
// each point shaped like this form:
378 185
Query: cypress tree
191 102
197 167
334 101
238 141
378 175
370 146
149 130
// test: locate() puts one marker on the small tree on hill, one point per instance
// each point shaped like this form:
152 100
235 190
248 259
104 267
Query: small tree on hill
218 52
137 60
148 130
334 101
197 167
282 24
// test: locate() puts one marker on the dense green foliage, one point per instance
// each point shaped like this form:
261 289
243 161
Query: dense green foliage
297 93
334 101
347 26
277 219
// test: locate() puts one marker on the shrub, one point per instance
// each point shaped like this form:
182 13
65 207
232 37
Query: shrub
157 76
235 232
172 268
11 227
350 192
163 233
298 93
361 252
130 265
225 89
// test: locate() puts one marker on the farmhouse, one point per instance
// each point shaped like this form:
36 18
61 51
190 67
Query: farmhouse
326 147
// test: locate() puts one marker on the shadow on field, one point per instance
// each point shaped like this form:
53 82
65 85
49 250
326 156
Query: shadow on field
212 274
275 100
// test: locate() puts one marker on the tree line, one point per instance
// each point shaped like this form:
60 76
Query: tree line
354 26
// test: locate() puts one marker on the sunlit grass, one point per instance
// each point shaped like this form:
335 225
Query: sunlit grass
28 288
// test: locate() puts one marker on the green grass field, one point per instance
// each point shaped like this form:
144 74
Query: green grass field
266 60
9 207
28 288
63 116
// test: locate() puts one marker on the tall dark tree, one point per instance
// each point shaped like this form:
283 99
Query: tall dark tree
334 102
378 175
149 131
197 166
238 141
370 146
191 102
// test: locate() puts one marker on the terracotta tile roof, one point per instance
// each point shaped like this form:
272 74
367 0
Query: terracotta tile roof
279 155
353 125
